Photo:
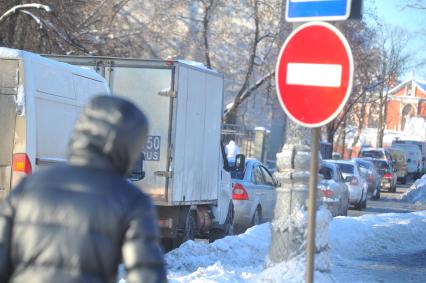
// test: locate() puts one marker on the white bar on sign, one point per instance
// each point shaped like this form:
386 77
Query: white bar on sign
326 75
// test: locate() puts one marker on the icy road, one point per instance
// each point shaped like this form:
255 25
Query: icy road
384 247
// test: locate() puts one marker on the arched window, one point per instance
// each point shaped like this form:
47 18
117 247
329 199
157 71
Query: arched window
407 113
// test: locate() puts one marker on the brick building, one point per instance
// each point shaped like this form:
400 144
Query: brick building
406 100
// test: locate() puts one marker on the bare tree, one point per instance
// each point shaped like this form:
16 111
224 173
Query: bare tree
393 61
361 40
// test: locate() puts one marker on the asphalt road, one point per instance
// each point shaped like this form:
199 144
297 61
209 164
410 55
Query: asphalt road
388 203
398 268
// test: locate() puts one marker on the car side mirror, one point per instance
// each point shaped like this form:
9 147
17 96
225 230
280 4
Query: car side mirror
138 173
348 178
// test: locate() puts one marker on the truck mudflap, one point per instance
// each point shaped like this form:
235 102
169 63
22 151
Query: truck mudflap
8 92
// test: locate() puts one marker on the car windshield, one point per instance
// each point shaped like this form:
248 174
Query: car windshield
381 164
372 153
237 175
346 168
326 172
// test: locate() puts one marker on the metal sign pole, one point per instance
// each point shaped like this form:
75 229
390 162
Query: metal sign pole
313 180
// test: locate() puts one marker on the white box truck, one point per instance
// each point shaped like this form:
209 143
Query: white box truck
186 173
40 99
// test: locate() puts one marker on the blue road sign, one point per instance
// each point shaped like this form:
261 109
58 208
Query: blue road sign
317 10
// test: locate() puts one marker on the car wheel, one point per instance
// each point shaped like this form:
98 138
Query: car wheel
345 209
257 217
378 194
358 206
364 202
374 194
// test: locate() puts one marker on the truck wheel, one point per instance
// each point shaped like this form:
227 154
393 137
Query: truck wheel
228 226
190 229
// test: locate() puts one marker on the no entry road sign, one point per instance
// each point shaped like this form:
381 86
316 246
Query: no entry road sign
314 74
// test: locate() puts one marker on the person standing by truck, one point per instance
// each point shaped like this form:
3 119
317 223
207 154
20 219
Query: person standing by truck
75 222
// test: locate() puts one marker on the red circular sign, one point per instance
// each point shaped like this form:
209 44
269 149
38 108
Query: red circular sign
314 74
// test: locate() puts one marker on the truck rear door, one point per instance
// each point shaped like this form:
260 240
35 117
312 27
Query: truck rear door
8 91
149 88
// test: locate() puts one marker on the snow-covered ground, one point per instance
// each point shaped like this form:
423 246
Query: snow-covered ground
362 249
417 192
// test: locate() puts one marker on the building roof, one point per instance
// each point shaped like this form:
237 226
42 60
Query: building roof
420 84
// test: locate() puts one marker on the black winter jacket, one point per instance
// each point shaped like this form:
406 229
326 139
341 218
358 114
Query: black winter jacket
76 222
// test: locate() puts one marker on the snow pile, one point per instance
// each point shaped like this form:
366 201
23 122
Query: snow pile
417 192
369 235
234 258
353 242
242 258
362 246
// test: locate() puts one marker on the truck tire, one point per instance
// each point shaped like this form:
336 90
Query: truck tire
190 230
228 226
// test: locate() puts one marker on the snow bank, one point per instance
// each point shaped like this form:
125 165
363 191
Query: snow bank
417 192
234 258
351 239
369 235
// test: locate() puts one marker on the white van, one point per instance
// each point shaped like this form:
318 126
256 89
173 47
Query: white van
40 99
414 158
422 147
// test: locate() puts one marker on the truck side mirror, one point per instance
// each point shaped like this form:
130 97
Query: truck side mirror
240 163
138 173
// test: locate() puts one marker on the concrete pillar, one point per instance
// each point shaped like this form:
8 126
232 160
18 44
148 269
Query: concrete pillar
289 226
260 144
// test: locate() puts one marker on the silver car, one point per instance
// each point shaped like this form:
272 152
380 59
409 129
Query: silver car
356 183
253 195
335 193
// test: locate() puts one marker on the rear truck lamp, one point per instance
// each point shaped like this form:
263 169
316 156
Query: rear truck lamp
354 181
387 176
21 163
165 223
239 192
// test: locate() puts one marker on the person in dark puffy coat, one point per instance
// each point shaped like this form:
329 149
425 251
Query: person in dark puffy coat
76 222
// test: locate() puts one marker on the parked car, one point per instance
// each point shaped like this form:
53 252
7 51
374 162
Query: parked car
357 185
335 193
376 153
387 174
414 158
370 174
253 195
400 164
